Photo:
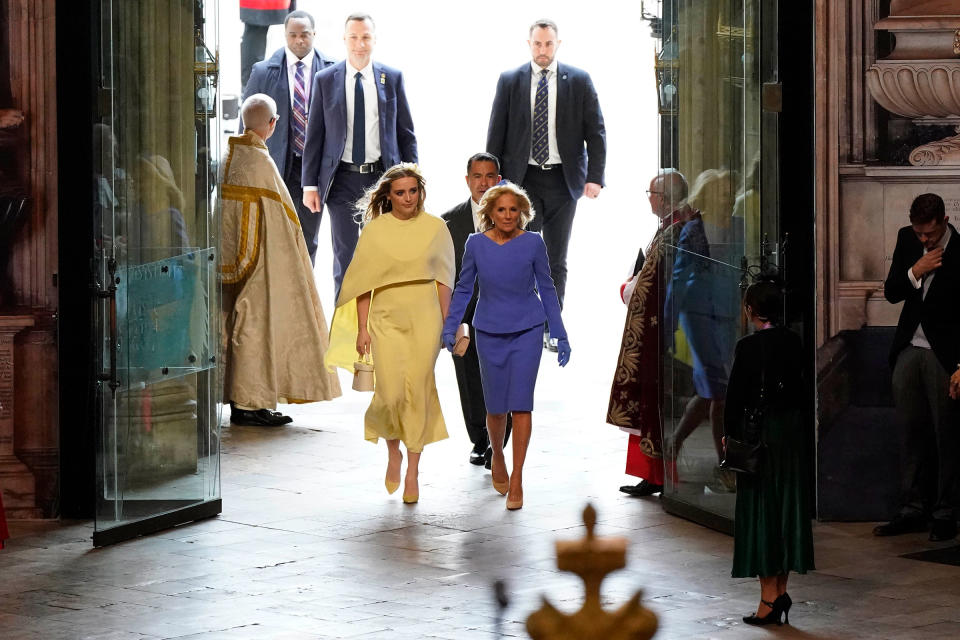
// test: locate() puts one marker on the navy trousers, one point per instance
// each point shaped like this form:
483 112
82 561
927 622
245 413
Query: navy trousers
346 189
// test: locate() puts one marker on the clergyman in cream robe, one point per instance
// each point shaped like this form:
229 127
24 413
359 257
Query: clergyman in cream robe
275 333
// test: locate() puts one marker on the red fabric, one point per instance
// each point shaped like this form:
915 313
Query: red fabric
4 533
641 465
265 5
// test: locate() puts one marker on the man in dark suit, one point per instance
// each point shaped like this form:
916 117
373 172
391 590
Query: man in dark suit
287 77
547 129
483 172
925 275
362 125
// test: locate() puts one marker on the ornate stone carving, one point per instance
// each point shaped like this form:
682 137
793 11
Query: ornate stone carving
920 79
919 89
941 152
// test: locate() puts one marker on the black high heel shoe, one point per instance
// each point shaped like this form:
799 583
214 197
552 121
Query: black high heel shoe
771 618
783 603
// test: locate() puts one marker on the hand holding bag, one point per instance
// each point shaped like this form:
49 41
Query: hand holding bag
363 374
463 340
746 456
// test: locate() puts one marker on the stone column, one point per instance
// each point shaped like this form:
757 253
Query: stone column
16 479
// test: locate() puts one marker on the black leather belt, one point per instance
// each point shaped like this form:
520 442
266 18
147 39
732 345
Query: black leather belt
370 167
548 167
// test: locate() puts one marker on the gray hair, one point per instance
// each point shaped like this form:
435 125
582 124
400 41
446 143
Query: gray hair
544 23
258 110
675 187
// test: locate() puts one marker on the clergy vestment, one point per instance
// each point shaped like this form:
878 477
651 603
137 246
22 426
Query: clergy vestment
274 330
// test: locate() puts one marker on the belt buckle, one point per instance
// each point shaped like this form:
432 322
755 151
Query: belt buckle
546 167
366 168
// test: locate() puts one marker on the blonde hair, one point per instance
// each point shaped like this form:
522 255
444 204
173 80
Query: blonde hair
375 200
489 200
712 192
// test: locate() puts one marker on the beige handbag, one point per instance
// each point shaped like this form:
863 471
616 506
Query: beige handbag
363 374
462 341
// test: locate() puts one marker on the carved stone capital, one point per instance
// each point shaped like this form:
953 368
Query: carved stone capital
941 152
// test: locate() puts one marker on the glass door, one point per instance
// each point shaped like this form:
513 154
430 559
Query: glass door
720 236
157 297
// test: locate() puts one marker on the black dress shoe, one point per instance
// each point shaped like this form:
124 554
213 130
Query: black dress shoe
258 418
901 524
476 458
943 529
488 458
642 488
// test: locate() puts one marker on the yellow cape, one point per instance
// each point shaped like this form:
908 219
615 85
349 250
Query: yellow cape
389 252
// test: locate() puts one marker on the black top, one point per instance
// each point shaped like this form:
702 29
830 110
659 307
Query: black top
771 358
939 311
460 224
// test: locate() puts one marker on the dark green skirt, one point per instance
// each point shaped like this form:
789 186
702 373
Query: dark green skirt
772 530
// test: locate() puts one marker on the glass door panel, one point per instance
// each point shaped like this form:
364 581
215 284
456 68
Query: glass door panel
715 141
157 311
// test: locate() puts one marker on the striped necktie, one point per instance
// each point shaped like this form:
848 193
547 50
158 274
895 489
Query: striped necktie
299 110
541 109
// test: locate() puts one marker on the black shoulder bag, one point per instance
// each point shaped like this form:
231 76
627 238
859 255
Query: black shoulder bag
745 456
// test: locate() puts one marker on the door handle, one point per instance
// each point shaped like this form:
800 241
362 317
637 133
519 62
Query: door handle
110 294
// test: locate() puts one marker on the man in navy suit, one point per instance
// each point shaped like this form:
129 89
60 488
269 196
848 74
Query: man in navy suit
287 77
362 125
547 129
483 172
925 276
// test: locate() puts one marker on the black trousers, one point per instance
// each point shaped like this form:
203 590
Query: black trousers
253 47
555 210
471 396
309 221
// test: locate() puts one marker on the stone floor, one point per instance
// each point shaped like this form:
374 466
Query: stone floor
309 545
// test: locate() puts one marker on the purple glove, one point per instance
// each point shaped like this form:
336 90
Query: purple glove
449 340
563 351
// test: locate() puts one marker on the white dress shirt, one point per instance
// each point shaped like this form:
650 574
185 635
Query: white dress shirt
307 61
554 153
371 111
477 223
919 339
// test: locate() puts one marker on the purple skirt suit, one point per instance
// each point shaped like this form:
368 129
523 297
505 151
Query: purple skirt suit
509 316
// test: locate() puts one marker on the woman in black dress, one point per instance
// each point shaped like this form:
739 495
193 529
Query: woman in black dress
772 531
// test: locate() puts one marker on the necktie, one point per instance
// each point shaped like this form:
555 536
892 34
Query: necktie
299 110
541 109
359 129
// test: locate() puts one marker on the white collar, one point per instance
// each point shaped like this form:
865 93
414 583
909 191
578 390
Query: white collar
535 69
292 58
367 71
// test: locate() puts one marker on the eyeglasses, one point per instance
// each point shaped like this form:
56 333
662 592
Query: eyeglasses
650 192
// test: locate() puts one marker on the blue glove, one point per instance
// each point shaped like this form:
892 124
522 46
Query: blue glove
563 351
449 340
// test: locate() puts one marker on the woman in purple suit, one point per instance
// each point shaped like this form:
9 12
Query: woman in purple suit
510 266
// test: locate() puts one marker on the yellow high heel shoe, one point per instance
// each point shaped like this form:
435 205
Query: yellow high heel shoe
388 483
411 499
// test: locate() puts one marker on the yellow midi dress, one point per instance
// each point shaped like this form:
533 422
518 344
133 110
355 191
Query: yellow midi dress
401 262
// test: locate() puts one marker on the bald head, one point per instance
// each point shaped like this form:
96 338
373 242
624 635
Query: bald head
259 113
667 191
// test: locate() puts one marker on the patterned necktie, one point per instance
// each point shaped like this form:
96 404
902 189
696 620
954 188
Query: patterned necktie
359 129
541 109
299 110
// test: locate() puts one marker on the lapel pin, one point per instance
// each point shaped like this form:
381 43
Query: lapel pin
383 78
564 76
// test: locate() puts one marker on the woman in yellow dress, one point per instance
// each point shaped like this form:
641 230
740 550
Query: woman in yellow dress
392 304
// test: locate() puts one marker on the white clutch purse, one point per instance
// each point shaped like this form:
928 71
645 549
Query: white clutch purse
363 374
463 340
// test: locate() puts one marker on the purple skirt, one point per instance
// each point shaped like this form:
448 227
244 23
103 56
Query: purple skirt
509 363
